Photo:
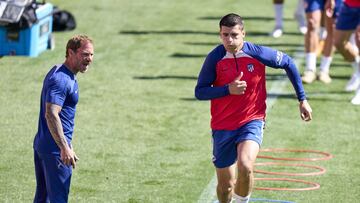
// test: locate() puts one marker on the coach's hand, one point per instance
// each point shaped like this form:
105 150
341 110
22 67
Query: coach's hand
305 110
68 156
237 86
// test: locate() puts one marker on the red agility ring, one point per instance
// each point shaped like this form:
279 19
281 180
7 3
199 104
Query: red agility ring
314 186
320 171
325 156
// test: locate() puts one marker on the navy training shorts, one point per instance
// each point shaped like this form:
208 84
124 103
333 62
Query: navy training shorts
225 142
52 178
348 18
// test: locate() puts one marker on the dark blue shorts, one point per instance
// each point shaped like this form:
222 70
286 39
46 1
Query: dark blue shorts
314 5
52 178
338 4
348 19
225 142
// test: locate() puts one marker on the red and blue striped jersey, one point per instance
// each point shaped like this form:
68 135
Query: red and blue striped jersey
353 3
229 112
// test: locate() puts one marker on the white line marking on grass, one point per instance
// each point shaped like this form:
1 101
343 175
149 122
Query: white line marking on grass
209 193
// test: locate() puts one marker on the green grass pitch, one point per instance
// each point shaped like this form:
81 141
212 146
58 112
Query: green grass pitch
140 134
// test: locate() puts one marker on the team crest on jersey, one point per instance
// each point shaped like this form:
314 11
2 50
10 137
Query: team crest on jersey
250 67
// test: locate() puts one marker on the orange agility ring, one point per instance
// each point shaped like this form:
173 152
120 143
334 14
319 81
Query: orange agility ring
313 186
324 155
320 171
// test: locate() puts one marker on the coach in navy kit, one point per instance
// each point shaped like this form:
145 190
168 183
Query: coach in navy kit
54 155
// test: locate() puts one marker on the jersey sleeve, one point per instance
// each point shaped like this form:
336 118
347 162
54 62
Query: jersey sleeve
277 59
204 89
56 91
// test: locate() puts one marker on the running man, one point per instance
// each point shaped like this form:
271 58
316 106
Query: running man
233 78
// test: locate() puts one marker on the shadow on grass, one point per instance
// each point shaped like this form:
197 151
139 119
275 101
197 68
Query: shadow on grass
275 76
292 33
271 95
185 55
340 77
181 77
182 32
251 18
188 99
341 65
165 32
328 97
314 96
281 95
202 43
296 45
182 55
164 77
288 51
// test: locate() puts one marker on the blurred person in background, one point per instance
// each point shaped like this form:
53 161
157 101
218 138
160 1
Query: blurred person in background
299 16
348 22
330 13
314 11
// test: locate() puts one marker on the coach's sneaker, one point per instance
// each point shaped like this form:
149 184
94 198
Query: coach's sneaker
308 77
324 77
353 83
356 99
277 32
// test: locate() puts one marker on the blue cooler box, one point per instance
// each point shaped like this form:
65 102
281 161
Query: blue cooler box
30 41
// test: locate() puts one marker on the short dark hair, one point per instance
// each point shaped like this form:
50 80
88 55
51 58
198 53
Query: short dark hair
231 20
76 41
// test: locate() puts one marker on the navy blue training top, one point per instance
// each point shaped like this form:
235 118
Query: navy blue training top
59 87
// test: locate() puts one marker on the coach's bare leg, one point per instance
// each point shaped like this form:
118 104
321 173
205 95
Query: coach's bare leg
226 182
247 152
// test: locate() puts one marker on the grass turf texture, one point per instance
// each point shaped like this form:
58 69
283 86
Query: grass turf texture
140 135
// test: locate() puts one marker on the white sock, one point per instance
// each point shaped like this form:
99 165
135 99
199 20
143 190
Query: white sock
240 199
278 15
325 64
356 65
310 62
